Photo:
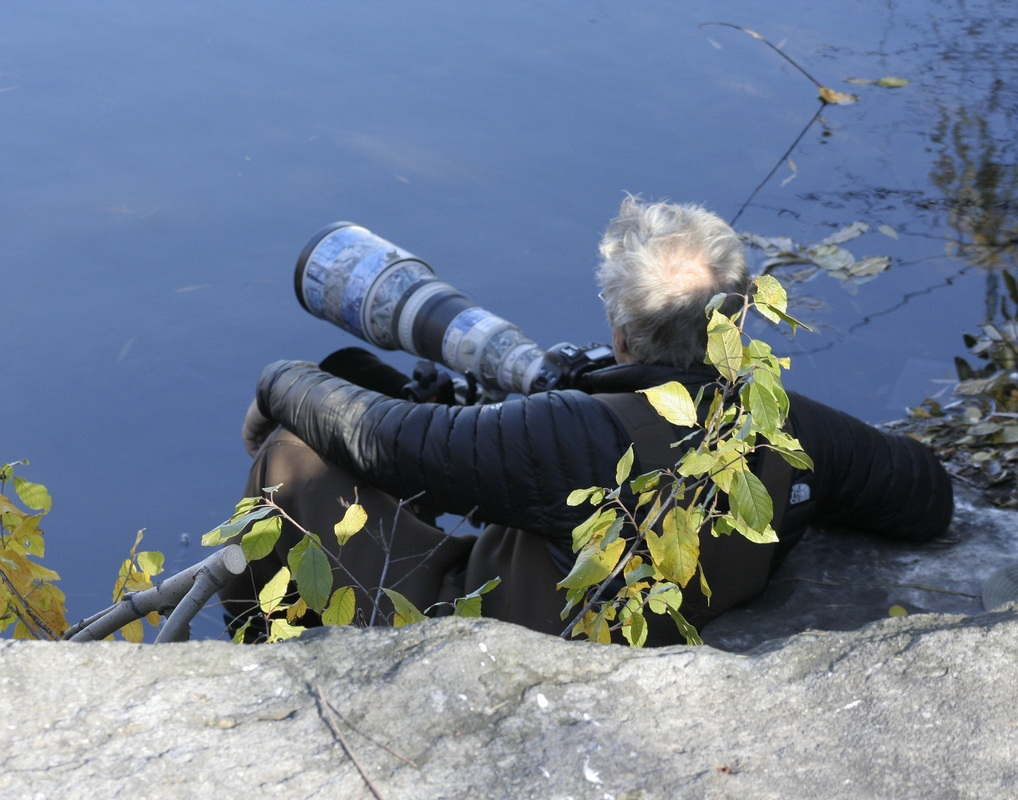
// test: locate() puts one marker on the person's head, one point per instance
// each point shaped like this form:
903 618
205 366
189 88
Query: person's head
661 263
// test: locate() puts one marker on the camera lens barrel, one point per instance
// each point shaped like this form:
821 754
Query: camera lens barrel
386 296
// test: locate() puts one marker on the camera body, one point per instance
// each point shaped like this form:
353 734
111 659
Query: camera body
385 295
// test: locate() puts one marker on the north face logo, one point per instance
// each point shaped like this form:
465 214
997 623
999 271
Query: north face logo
798 494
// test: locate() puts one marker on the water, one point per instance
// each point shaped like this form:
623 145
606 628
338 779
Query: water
164 164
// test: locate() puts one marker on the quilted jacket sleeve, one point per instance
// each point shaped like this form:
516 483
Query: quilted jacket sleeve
869 479
515 462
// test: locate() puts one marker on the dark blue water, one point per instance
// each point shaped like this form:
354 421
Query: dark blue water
164 164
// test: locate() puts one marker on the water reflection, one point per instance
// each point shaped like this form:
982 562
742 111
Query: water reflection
152 148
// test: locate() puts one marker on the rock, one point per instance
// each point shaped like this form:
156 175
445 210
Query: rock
919 706
839 580
915 706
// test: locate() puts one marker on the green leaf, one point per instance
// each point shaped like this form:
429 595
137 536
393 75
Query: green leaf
797 458
676 551
789 448
695 462
664 597
687 630
342 607
150 562
645 482
762 404
673 402
272 593
245 505
624 466
636 630
704 586
594 526
578 496
470 605
406 612
230 529
354 519
750 501
311 572
33 495
792 322
724 345
716 301
641 572
261 539
593 565
770 297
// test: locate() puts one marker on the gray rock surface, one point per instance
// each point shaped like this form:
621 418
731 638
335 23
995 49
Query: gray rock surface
921 706
836 580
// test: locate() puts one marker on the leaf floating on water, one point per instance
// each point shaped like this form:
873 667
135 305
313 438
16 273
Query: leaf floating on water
832 258
872 265
891 82
888 82
897 611
832 97
847 233
887 230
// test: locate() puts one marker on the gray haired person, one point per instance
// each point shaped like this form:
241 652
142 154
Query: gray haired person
341 432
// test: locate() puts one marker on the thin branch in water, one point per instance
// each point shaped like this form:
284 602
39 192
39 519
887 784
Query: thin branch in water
780 161
773 47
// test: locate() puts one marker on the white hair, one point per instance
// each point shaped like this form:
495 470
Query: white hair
661 264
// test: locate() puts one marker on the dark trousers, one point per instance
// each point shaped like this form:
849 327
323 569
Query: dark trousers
396 550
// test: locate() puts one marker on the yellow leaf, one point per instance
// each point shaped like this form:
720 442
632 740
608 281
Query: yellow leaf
673 402
133 631
593 565
724 345
831 97
272 593
280 630
297 610
353 521
342 607
406 613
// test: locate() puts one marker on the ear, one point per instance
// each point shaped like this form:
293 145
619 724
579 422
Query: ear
620 348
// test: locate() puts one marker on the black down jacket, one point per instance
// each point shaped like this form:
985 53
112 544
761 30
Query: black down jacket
516 461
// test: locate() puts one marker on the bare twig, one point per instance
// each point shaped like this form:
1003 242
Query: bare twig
387 547
422 561
773 47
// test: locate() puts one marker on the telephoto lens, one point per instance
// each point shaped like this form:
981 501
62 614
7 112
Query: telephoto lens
386 296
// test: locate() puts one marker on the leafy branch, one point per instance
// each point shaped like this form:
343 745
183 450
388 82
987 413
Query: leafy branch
306 582
29 597
647 529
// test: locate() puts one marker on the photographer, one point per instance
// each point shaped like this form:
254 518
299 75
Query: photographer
346 436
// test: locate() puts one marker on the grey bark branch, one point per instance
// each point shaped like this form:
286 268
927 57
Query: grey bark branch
181 596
